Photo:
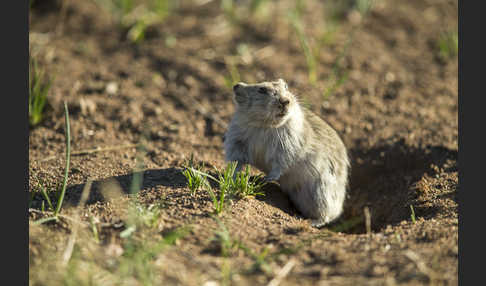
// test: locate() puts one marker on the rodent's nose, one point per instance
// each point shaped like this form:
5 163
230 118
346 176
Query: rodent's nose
284 101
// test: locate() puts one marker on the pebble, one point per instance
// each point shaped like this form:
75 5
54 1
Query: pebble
112 88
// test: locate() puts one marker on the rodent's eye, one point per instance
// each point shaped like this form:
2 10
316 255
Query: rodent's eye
263 90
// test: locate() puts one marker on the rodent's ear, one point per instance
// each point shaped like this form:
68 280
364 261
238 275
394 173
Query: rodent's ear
283 83
239 93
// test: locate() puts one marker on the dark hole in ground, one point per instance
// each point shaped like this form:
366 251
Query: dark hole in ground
383 179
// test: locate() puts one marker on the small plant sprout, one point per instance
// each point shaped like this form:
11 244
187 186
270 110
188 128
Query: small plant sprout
245 186
228 8
140 254
141 216
137 16
310 57
39 85
68 160
338 75
239 184
234 75
257 5
148 216
94 229
226 178
223 238
412 215
224 186
218 203
195 180
260 260
448 45
46 197
364 6
66 173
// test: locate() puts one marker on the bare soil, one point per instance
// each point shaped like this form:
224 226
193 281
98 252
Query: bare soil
397 113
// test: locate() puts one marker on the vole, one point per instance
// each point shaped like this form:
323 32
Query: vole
271 131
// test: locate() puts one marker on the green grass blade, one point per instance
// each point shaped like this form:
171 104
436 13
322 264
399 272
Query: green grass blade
44 220
46 197
412 215
204 174
68 159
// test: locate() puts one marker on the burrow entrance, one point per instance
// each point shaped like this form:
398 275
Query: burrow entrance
383 179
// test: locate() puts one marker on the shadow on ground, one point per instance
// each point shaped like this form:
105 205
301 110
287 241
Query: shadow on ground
170 177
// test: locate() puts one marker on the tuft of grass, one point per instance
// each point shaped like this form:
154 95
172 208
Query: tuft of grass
39 85
448 45
310 57
226 178
136 16
195 180
239 184
234 185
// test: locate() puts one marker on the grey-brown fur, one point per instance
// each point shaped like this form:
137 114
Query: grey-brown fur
271 131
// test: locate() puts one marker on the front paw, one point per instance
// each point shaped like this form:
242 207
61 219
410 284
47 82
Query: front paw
318 223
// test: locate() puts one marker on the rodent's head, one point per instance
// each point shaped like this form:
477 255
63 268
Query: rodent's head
267 104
